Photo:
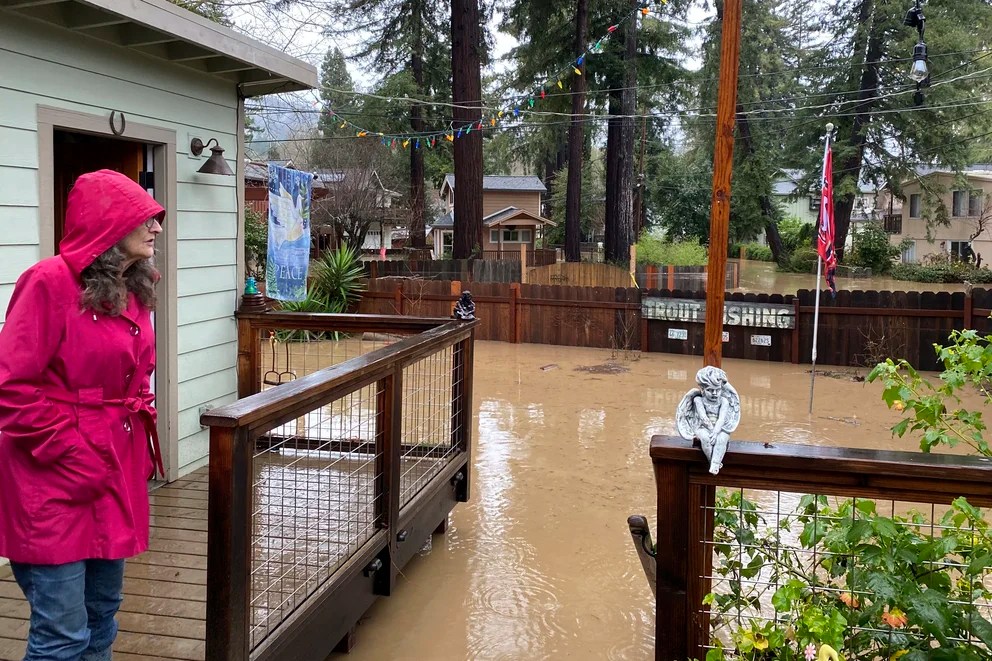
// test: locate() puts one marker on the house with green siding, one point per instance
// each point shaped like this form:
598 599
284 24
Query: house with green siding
136 86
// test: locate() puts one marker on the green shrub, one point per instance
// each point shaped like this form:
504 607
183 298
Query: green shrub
795 233
802 260
337 279
757 252
256 242
652 250
871 248
946 272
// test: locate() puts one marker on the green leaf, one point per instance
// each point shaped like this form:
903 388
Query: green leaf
884 585
980 628
930 611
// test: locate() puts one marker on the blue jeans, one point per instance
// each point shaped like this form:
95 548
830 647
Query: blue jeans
72 608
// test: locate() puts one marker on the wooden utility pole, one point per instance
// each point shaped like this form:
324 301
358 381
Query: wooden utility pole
723 165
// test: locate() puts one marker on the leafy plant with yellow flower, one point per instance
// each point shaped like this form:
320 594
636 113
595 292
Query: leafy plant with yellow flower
846 580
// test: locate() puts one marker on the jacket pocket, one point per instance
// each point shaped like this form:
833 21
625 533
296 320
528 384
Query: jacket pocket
83 471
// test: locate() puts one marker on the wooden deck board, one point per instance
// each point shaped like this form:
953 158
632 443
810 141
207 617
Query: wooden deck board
164 609
162 616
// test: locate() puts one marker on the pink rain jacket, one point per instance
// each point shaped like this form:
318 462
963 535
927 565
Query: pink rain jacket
77 427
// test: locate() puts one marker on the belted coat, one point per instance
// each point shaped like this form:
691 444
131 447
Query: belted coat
77 423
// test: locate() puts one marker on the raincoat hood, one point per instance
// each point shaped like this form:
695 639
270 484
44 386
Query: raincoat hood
103 207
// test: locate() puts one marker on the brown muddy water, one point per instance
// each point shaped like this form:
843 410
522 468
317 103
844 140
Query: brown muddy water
763 278
539 565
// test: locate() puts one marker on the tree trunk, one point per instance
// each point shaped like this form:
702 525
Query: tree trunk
767 210
619 235
466 79
870 54
611 214
573 195
418 223
640 210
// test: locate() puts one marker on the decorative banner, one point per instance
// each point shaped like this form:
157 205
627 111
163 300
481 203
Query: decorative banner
735 313
289 234
514 107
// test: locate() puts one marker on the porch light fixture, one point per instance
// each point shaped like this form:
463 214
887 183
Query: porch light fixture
216 163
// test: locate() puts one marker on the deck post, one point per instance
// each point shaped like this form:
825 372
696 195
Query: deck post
228 546
249 367
389 427
685 516
461 409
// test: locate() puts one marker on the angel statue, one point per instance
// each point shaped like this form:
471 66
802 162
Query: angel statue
709 414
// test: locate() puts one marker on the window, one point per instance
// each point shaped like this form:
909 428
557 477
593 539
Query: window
893 223
909 254
447 240
914 205
510 235
959 200
814 202
960 249
975 203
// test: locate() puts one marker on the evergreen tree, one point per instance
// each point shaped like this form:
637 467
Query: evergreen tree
882 133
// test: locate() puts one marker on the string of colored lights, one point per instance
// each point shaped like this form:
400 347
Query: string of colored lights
514 109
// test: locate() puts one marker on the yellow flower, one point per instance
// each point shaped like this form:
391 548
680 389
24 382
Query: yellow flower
760 642
900 653
898 405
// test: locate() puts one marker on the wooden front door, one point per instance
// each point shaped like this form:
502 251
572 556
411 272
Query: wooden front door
79 153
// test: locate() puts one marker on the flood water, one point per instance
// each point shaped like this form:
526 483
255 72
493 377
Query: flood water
539 565
763 278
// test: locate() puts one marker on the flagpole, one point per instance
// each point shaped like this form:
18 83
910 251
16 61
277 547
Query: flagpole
819 271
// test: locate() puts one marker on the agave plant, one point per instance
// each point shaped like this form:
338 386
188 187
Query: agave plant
337 279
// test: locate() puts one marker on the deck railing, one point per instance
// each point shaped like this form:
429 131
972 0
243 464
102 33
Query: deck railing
341 458
703 546
535 257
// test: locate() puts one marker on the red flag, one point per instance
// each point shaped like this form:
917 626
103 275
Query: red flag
825 234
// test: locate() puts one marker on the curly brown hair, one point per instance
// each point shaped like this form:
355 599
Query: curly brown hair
105 288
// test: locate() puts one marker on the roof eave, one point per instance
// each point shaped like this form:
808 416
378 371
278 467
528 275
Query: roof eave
160 29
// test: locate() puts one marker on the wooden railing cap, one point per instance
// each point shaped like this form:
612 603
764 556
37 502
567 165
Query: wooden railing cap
794 459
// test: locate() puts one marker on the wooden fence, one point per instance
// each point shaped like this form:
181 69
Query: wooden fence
857 329
549 272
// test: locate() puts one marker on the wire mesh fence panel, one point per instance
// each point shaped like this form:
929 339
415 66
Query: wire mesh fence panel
288 355
874 579
314 502
429 409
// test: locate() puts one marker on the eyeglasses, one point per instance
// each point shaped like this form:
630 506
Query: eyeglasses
150 223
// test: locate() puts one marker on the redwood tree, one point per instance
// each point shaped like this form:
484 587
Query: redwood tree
466 80
619 224
576 140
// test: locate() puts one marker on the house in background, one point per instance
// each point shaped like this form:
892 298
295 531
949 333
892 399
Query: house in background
511 209
874 203
965 201
132 86
331 189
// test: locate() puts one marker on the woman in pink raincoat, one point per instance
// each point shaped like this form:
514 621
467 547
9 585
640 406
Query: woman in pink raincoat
77 427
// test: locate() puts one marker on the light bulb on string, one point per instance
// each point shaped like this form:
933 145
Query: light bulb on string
919 71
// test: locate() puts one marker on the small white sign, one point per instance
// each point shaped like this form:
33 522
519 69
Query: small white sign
761 340
678 334
726 336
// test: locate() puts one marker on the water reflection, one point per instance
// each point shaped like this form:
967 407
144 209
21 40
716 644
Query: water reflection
539 565
763 278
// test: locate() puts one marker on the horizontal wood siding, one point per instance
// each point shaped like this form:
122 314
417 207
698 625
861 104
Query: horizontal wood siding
46 66
493 201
